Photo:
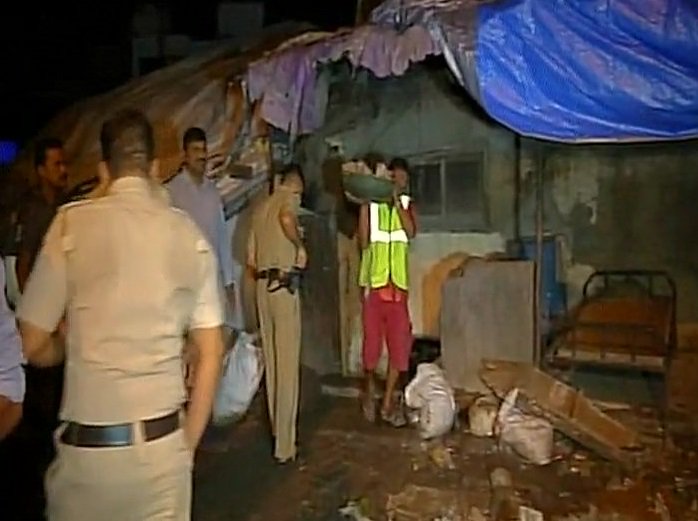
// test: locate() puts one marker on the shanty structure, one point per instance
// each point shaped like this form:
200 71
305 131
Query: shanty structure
585 72
578 73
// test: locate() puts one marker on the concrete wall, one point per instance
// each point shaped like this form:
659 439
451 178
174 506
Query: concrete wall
623 207
616 207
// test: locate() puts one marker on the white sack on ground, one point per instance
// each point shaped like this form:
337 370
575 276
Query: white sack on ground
530 437
430 393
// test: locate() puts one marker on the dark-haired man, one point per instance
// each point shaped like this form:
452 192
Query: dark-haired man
133 276
275 251
38 211
190 190
43 385
385 231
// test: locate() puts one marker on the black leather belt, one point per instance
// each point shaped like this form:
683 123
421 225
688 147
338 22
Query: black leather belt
266 274
121 435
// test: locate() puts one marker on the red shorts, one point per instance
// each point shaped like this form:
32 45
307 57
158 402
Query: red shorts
390 320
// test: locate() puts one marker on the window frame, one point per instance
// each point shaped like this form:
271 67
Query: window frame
474 221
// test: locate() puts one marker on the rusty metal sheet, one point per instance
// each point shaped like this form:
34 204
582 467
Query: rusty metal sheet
566 408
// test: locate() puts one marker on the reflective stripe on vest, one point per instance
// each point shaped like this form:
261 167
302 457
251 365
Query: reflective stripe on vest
378 235
385 259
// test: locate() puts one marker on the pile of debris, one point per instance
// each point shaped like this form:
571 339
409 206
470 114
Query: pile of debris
535 403
524 410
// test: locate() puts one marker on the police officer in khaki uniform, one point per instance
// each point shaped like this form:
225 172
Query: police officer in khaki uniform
276 253
131 276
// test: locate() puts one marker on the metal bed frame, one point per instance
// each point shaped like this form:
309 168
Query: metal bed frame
622 345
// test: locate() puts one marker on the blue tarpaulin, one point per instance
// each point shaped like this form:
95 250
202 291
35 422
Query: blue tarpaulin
570 70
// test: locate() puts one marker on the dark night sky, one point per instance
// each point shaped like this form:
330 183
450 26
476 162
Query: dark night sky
54 53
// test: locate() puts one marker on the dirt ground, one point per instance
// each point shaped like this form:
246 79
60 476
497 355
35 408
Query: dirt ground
382 472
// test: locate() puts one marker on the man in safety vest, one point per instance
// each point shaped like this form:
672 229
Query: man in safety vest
385 230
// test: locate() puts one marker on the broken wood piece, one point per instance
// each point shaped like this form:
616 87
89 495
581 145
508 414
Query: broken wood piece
612 406
566 408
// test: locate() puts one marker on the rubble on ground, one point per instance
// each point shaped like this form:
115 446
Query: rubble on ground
566 408
417 503
464 477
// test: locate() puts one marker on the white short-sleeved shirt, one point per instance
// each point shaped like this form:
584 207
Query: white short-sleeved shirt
131 275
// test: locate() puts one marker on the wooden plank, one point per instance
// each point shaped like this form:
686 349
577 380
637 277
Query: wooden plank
566 408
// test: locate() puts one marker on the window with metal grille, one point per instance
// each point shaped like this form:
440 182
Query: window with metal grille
449 194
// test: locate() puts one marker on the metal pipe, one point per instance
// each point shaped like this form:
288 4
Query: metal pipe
517 194
538 305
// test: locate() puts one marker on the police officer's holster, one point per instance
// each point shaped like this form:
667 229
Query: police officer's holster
278 279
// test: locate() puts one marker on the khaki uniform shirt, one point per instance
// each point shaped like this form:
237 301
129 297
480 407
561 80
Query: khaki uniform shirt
268 246
132 275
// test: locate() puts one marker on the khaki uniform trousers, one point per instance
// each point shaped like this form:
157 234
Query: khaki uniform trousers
280 330
144 482
349 294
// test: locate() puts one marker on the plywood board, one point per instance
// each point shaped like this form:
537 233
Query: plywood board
565 407
486 313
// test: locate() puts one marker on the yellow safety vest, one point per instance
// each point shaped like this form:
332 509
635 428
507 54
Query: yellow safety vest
385 259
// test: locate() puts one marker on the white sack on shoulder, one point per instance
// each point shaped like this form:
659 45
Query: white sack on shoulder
430 393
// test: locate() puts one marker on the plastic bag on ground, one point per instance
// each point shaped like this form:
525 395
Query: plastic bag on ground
431 394
243 367
530 437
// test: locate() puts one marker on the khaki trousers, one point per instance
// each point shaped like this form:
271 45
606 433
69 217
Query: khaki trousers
280 331
145 482
349 294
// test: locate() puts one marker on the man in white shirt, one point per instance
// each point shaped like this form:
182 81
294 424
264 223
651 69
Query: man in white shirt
190 190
